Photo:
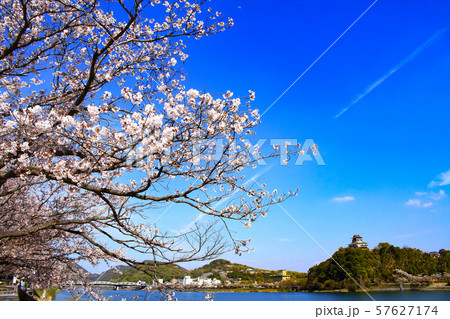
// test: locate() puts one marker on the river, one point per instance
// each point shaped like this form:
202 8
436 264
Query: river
277 296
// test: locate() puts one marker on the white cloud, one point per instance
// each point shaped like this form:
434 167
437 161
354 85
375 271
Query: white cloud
438 196
418 203
443 179
414 202
429 197
343 199
432 195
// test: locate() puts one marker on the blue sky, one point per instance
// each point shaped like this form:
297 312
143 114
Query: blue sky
383 152
386 156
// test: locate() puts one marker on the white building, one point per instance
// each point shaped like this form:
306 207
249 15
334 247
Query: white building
208 282
187 280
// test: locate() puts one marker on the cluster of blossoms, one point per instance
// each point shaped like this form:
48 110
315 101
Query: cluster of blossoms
39 228
89 101
209 297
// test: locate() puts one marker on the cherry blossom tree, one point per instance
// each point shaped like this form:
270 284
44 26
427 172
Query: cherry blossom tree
43 227
97 128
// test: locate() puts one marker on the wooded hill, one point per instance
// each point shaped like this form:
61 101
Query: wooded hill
383 264
129 274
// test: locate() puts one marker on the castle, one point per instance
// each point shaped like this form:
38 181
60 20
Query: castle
357 242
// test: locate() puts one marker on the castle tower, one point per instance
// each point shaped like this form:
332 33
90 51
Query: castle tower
357 242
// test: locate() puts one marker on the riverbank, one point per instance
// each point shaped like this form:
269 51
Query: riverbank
118 295
380 288
411 287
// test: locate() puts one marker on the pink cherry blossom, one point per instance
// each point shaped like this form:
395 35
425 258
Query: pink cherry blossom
97 129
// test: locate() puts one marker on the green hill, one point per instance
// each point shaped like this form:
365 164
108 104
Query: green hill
219 268
224 269
112 274
214 266
383 264
147 273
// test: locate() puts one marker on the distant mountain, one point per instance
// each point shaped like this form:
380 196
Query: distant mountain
90 276
218 265
219 268
145 273
112 274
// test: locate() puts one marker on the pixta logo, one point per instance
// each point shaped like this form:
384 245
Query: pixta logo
214 150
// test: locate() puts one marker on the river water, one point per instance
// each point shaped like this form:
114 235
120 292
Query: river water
276 296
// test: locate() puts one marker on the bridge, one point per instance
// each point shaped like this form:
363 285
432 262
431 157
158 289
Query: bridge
8 293
114 285
14 293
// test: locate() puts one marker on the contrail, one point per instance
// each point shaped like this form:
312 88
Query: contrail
320 56
409 58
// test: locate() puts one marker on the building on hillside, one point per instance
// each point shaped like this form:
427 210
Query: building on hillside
434 254
216 282
282 275
187 280
357 242
201 282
